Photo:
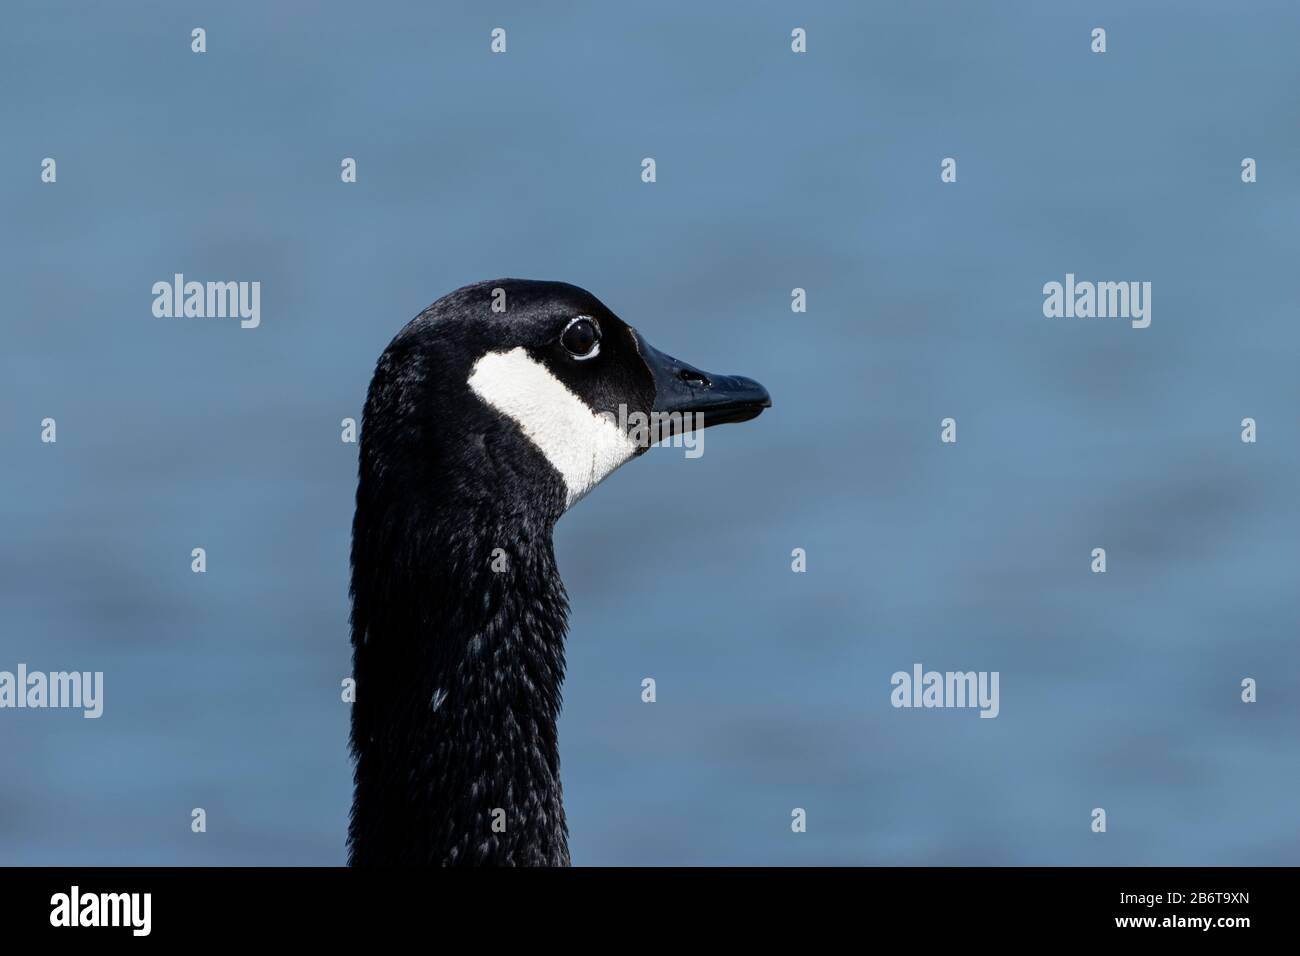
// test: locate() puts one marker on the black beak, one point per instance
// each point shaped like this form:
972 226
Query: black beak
700 398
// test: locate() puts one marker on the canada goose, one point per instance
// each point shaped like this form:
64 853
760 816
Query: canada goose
488 416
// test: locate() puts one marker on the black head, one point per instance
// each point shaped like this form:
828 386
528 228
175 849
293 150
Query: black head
488 415
522 395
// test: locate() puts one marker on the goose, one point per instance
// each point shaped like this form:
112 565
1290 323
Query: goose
489 415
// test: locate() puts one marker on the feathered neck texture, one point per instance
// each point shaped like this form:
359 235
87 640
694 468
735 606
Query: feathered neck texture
458 655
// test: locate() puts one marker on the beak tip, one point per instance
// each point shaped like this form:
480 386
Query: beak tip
719 399
761 396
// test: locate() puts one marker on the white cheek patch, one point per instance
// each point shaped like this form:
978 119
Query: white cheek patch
581 445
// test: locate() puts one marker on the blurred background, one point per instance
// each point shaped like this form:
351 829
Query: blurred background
775 171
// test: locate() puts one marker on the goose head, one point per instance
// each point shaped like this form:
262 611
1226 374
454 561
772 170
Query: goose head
529 394
488 416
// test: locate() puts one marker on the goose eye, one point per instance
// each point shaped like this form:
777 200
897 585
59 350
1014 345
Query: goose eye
581 338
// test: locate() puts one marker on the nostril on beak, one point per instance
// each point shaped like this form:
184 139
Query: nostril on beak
693 378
